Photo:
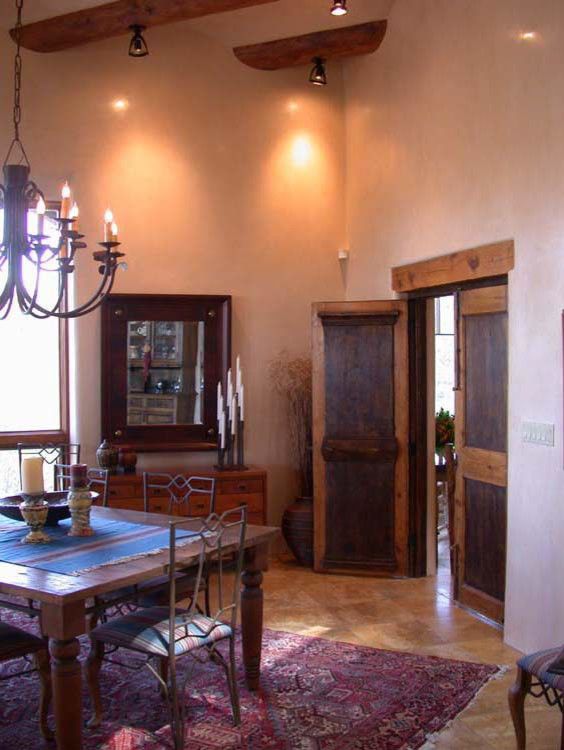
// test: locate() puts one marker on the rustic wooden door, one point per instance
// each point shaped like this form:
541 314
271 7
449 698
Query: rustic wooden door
481 444
361 434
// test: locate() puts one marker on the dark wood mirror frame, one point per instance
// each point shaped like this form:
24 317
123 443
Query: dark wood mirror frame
117 309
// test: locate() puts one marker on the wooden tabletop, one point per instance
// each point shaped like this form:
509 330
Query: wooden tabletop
60 589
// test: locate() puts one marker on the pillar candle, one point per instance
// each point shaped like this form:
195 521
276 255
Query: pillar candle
65 201
32 476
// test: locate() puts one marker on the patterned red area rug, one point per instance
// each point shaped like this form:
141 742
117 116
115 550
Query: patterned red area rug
316 695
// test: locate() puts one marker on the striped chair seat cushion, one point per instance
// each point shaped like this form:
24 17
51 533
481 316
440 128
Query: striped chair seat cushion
147 631
15 642
538 665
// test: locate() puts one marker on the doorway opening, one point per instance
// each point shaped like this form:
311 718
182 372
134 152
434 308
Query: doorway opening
442 446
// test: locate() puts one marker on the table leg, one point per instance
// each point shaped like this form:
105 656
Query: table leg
67 693
255 562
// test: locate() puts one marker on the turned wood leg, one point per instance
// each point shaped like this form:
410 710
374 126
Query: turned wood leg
93 666
256 560
43 666
67 693
516 697
562 734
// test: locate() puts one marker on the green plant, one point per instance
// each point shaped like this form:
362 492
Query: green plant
444 429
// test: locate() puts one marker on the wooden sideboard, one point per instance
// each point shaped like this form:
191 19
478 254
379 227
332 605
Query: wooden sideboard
233 488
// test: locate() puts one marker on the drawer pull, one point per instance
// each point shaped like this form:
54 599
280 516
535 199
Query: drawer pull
242 487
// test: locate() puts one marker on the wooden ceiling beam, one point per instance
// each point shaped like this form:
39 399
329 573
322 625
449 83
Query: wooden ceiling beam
348 41
114 19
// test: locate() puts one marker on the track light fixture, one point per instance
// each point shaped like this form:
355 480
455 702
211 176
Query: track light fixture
138 45
339 8
318 75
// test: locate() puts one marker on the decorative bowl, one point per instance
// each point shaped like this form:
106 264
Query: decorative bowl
58 507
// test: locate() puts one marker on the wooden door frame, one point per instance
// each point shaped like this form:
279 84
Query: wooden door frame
487 265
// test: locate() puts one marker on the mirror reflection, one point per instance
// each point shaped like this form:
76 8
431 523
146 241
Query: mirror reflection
165 383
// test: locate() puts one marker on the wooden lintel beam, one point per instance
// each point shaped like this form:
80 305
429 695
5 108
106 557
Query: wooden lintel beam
496 259
348 41
113 19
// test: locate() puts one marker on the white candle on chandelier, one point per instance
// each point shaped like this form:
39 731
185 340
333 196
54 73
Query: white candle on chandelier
114 232
40 211
65 201
108 221
74 213
242 402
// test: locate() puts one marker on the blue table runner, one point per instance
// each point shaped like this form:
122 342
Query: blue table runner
113 542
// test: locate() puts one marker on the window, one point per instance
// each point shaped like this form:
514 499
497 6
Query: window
33 396
444 354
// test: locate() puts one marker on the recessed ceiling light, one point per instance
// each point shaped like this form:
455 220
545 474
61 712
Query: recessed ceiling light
120 105
528 36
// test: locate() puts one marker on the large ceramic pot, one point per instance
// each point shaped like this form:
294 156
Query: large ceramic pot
297 529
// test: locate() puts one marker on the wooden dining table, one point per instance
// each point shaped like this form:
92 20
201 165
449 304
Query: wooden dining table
64 605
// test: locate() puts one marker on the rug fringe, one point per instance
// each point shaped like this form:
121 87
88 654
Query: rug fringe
432 738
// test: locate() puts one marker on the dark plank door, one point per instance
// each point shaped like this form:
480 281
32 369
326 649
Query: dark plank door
481 443
361 432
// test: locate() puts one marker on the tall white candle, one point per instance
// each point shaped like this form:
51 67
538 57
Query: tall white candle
229 387
238 374
219 399
239 380
223 430
242 402
234 416
32 475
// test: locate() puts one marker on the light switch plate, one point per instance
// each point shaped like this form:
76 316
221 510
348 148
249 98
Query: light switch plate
538 433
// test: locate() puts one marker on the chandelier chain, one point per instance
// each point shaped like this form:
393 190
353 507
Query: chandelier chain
18 70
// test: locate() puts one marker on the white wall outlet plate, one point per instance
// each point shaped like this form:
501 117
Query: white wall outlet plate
538 433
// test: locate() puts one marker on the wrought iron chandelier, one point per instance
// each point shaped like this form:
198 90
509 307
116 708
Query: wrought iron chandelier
25 258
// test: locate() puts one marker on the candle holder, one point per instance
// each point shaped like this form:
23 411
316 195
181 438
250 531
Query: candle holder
34 510
80 501
232 456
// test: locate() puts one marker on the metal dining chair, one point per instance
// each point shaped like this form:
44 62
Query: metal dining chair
51 453
190 496
98 481
16 643
163 635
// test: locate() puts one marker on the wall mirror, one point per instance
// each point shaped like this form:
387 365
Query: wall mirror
162 357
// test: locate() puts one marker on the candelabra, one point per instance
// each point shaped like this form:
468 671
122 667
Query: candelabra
231 441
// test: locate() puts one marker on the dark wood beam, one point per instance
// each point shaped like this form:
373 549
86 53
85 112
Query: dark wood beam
114 19
300 50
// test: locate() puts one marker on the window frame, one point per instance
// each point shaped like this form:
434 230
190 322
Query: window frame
10 440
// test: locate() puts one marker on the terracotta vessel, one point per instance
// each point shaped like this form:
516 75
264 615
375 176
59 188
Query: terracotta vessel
127 460
107 456
297 529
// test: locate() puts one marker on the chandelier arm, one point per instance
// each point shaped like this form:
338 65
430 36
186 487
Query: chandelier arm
94 302
31 303
5 310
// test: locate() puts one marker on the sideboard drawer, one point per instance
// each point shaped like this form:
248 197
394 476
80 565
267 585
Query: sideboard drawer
232 486
121 490
127 503
254 502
